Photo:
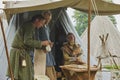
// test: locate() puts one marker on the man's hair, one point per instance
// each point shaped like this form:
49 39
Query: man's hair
47 12
39 16
69 33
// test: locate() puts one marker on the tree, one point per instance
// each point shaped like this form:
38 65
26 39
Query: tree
81 20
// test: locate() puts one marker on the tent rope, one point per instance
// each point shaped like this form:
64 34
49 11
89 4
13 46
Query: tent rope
94 7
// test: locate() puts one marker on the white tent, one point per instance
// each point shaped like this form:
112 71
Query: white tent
101 26
9 32
60 26
24 7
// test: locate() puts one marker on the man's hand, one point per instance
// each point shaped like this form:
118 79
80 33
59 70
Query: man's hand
79 61
76 51
45 51
51 44
45 43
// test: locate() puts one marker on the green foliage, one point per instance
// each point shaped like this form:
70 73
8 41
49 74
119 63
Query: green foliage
110 67
81 20
112 18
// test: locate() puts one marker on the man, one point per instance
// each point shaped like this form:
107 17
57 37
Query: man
71 54
23 43
44 34
71 51
50 62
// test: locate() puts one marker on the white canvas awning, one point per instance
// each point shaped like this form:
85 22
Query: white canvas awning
104 8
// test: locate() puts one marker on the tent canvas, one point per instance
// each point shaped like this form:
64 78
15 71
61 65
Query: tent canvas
101 26
103 8
60 26
9 32
77 4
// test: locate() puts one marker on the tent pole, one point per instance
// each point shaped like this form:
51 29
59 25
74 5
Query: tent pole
89 18
10 69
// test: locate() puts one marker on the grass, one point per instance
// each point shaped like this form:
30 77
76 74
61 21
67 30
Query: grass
111 67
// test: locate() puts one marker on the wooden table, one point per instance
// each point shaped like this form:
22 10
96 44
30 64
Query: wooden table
78 72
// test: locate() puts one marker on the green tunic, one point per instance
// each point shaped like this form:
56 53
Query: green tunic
22 45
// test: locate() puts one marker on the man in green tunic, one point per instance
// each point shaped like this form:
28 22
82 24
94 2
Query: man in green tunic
23 43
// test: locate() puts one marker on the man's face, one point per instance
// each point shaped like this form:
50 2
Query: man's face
70 38
40 23
47 18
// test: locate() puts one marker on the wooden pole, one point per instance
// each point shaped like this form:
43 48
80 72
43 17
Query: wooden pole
10 69
89 20
113 60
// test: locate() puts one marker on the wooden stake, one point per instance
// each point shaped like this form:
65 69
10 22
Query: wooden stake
113 60
10 69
